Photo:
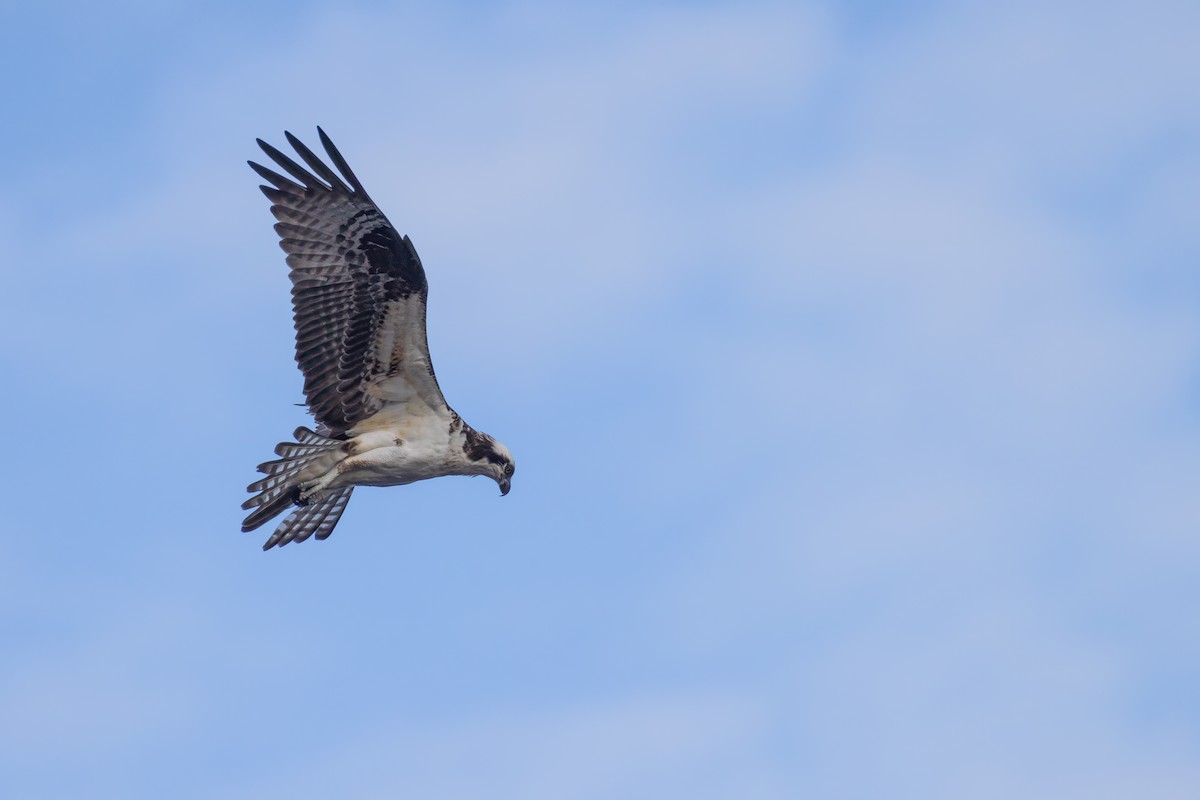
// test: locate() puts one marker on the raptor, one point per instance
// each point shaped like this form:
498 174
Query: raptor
359 295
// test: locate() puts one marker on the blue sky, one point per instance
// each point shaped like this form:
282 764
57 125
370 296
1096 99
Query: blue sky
850 355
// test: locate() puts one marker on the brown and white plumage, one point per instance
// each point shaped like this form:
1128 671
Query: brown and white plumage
359 295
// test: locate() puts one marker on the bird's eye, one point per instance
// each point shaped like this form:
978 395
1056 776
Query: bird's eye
508 469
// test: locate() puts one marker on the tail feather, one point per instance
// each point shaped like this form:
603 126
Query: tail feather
289 450
330 520
280 489
294 454
269 482
304 435
319 518
278 465
265 512
275 486
280 470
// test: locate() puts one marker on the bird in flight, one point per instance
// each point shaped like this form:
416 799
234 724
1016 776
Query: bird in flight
359 294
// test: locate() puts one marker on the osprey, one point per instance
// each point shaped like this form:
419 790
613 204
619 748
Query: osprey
359 295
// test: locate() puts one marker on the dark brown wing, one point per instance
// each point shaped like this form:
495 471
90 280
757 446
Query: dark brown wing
358 291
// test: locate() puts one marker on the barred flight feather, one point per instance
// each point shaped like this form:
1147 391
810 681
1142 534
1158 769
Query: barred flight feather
319 518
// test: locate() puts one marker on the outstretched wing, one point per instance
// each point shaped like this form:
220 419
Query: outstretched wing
358 291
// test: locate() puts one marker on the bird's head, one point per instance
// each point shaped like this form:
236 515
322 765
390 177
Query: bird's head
488 457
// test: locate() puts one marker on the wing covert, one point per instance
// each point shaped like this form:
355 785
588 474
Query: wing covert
358 290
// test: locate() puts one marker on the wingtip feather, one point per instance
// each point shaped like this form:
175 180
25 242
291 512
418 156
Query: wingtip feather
317 165
273 177
291 167
340 162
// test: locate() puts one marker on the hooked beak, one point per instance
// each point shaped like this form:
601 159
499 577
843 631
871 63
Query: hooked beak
504 486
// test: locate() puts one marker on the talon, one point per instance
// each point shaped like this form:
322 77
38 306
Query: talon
310 492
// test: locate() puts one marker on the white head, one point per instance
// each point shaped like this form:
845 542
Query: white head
486 456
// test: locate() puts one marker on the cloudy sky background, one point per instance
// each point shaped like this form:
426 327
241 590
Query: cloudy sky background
850 354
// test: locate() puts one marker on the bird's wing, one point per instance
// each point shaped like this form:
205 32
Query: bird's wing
358 291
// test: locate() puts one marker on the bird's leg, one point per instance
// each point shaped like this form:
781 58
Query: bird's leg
310 492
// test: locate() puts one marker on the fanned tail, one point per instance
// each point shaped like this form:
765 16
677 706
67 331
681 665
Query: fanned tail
281 489
319 518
